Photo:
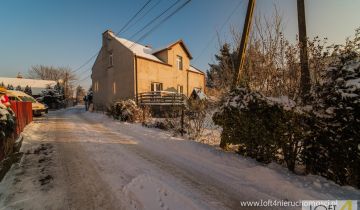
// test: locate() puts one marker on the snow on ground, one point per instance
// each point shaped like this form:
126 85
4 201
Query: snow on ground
31 181
99 163
146 192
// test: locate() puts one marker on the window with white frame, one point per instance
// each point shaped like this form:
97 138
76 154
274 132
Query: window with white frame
179 62
96 86
180 89
114 88
156 86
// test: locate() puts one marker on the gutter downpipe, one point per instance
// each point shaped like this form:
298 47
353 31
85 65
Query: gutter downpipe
136 79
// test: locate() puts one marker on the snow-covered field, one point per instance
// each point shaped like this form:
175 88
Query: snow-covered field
79 160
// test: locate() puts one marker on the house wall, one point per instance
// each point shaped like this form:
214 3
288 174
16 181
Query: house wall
111 83
162 55
118 82
196 80
150 71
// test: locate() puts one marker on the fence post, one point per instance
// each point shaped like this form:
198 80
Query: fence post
182 120
143 113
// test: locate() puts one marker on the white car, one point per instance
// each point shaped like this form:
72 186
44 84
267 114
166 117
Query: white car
37 108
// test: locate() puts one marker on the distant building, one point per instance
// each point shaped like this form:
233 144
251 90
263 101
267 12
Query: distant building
36 85
124 69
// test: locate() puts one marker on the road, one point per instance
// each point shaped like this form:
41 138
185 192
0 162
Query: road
79 160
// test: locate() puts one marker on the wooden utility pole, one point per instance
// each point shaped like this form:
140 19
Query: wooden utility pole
305 84
239 76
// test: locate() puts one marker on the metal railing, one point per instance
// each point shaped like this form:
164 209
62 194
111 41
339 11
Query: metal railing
162 98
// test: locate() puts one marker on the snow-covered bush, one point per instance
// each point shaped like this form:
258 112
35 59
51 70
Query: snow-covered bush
7 128
128 111
324 134
53 97
267 129
195 115
334 150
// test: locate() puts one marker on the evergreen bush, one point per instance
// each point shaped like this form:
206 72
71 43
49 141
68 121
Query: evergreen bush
334 149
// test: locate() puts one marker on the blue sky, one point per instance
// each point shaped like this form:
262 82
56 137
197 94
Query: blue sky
68 32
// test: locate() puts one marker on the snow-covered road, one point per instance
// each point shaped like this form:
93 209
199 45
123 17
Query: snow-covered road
79 160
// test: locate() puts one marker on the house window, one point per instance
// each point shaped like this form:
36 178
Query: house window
156 86
180 89
114 88
111 60
96 86
179 62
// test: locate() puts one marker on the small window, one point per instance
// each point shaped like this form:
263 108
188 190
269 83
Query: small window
114 88
96 86
111 60
179 62
180 89
156 86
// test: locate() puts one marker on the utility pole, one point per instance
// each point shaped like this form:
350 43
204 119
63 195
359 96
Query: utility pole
239 76
66 85
305 84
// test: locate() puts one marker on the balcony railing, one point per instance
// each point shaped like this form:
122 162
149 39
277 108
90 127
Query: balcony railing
161 98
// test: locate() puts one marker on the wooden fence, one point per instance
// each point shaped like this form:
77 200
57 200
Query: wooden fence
23 113
9 146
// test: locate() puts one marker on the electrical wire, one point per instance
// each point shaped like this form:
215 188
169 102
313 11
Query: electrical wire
147 12
161 22
221 28
154 20
126 24
133 17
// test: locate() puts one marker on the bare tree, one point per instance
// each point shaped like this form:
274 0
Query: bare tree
80 93
63 75
273 62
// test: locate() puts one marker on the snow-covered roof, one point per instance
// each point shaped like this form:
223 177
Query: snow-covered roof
198 94
180 41
138 49
147 52
36 85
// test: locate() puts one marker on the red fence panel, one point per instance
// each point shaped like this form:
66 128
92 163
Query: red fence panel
23 114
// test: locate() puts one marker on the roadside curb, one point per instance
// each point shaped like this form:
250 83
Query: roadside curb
15 157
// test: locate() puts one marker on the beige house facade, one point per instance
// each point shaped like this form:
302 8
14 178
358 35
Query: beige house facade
124 69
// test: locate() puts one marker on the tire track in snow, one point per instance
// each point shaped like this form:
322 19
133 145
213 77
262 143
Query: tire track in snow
85 188
212 192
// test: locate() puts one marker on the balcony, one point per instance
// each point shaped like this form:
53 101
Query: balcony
161 98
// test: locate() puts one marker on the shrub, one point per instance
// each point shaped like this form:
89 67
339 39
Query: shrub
323 135
7 128
334 149
7 122
195 115
267 129
128 111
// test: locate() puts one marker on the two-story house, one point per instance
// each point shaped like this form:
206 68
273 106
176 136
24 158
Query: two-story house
123 69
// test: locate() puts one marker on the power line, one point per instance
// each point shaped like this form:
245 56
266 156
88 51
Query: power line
85 78
221 28
161 22
88 61
157 25
133 17
147 12
154 19
129 21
